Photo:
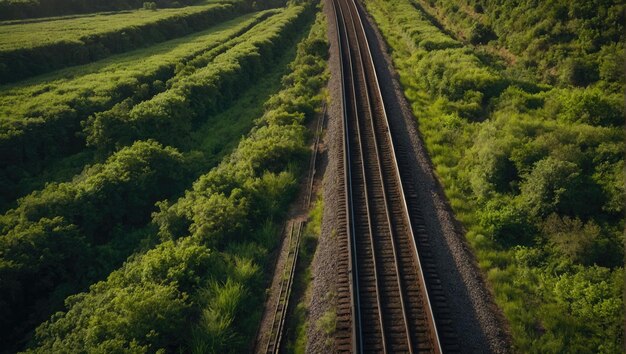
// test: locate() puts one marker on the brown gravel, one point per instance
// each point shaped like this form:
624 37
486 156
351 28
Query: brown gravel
479 323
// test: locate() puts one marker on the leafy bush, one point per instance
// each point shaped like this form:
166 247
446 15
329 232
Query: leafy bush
50 240
150 6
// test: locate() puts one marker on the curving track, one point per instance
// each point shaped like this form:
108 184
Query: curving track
383 304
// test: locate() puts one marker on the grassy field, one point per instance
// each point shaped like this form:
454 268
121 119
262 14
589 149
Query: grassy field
106 76
34 48
44 33
104 211
34 107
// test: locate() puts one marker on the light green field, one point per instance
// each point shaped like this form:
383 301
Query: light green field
73 29
98 80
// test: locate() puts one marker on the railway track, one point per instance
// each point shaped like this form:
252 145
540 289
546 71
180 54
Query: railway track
272 343
280 311
383 301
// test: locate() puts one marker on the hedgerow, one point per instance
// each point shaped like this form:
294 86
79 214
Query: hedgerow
41 120
59 237
170 116
198 290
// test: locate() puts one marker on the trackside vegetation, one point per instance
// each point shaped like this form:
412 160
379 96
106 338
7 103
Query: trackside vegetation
170 116
197 289
557 42
22 9
534 171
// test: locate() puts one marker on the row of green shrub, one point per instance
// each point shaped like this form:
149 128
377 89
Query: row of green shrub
197 93
535 174
21 9
22 63
558 41
42 119
57 238
98 216
198 291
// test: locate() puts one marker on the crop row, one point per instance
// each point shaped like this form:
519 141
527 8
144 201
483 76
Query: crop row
198 290
41 118
34 48
170 116
535 174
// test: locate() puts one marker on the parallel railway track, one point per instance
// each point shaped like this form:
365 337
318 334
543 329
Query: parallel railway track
383 302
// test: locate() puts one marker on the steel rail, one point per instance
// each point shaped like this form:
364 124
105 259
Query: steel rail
372 99
422 279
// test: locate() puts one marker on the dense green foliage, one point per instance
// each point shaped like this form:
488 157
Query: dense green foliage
40 118
197 291
558 41
193 94
58 236
534 172
38 47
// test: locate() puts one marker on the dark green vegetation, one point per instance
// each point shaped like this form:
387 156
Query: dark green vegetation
29 49
62 236
196 256
525 130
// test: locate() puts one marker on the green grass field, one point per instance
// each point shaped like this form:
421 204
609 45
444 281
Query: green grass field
44 33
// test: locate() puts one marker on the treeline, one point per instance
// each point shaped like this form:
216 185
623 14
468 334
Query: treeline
21 9
197 291
20 63
534 172
42 122
558 41
196 93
